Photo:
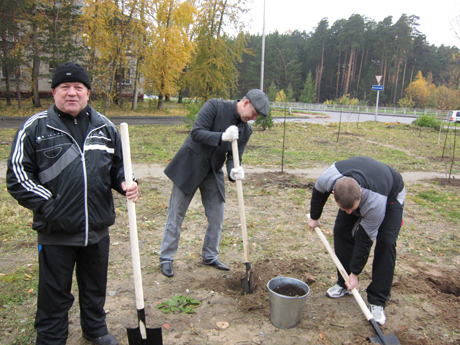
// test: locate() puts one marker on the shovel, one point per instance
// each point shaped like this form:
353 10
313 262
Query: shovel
247 282
140 335
389 339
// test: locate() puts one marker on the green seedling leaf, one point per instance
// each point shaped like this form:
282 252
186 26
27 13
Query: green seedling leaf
179 304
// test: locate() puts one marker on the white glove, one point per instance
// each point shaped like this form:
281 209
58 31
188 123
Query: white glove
237 173
230 134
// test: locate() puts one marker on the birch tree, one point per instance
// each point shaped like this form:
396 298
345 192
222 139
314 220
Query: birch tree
170 49
213 71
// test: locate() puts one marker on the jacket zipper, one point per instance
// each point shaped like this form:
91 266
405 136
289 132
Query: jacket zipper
82 155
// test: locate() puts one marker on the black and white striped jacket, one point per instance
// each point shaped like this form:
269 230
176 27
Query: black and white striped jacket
47 167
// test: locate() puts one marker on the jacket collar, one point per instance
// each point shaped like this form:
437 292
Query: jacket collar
54 120
236 116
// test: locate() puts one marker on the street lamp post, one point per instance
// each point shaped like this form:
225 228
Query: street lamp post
263 54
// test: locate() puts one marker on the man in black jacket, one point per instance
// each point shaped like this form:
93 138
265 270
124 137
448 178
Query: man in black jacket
63 165
198 164
370 196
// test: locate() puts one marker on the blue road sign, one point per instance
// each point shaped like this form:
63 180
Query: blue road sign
377 87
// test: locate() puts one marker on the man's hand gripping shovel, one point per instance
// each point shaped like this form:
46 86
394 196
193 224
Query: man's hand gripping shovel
389 339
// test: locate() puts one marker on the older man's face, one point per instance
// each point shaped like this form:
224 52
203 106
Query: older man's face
71 97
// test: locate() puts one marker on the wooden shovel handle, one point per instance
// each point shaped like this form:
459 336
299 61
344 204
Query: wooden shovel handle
239 191
132 218
344 274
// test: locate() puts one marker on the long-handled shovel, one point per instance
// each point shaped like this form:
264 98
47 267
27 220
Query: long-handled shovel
247 282
140 335
389 339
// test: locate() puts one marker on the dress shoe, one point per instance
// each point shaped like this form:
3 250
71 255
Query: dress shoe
217 264
166 268
107 339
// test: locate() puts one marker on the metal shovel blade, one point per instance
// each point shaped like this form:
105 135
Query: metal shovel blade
380 338
154 336
142 335
388 339
247 282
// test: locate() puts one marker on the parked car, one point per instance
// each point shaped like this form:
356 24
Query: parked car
454 116
150 97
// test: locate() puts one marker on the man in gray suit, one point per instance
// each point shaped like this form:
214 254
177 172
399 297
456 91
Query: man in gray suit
198 164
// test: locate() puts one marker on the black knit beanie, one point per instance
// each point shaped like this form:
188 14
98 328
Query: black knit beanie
70 72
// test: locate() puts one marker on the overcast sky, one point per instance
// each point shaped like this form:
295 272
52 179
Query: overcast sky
436 17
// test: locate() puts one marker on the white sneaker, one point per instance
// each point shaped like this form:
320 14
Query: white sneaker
378 314
337 291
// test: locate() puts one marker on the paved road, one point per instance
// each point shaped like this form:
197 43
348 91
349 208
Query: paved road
334 116
15 122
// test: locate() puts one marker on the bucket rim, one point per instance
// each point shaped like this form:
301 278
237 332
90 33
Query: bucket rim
284 296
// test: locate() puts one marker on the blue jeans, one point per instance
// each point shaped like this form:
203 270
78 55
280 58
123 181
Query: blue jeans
178 204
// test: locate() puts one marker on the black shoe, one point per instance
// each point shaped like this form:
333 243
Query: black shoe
166 268
217 264
107 339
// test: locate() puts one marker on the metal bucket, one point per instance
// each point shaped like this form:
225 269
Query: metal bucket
286 311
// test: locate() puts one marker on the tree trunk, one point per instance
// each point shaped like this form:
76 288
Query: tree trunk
18 94
7 85
398 66
360 70
35 77
318 93
350 62
160 102
404 78
338 76
344 74
136 90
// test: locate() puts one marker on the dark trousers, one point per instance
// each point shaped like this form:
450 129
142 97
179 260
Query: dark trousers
56 266
378 291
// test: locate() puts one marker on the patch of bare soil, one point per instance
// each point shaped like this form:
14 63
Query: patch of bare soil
448 182
424 308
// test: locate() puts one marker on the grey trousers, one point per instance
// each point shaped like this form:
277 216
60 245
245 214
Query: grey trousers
178 204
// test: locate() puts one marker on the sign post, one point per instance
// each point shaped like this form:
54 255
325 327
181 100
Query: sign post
377 88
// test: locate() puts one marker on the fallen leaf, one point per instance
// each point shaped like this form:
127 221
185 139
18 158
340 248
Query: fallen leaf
30 290
222 324
428 249
166 326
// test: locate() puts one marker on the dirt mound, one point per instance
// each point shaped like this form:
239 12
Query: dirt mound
263 272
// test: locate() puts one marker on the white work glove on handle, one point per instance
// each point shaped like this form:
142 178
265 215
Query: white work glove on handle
237 173
230 134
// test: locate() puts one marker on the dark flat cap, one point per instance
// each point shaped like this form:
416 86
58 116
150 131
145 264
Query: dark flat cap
259 100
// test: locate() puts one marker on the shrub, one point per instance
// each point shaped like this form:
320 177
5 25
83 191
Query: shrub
192 112
264 122
428 121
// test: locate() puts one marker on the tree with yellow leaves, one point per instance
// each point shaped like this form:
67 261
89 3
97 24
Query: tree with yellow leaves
112 30
418 91
170 48
213 71
281 96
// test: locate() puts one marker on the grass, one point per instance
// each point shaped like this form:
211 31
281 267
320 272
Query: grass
405 147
